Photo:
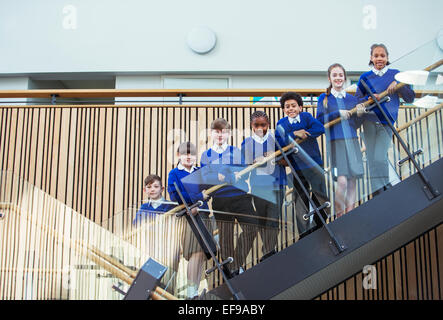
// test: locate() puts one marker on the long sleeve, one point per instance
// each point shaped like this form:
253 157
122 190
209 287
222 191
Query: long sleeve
204 160
321 115
361 98
359 94
173 194
238 163
407 93
315 127
141 212
189 191
247 153
210 170
281 132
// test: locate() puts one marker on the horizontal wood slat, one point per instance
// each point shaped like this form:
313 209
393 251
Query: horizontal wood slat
114 93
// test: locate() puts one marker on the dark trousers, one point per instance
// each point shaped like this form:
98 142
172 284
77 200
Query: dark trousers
206 234
240 208
269 213
314 182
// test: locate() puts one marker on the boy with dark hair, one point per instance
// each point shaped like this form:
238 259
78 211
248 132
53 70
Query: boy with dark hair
307 163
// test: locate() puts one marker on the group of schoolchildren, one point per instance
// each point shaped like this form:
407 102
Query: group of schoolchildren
260 202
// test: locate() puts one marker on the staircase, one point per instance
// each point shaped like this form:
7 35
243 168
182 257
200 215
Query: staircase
371 231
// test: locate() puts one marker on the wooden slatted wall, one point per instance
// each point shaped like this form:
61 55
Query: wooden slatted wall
94 159
413 272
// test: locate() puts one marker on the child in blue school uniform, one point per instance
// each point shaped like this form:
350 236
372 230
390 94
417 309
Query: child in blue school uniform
194 249
267 182
232 202
342 140
156 204
307 163
377 134
145 223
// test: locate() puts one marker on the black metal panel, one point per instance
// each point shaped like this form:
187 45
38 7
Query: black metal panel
370 232
147 279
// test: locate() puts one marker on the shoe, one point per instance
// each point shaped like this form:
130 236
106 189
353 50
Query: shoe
270 253
387 186
237 272
377 192
227 272
192 292
307 232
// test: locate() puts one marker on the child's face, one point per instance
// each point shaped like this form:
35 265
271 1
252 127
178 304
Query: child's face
187 160
260 126
220 137
154 190
379 58
337 78
291 108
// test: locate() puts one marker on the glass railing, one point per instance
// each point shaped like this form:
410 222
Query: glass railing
420 122
168 238
50 252
156 236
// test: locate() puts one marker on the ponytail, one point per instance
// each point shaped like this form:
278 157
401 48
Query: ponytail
325 100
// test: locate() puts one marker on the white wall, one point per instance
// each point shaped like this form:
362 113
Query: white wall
13 83
144 36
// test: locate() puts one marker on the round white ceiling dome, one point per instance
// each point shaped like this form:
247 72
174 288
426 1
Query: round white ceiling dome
201 40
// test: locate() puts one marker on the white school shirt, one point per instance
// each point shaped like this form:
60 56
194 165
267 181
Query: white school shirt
338 94
220 149
259 139
380 72
182 167
296 119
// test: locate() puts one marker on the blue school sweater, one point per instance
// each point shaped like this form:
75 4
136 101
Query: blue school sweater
309 146
271 176
345 129
190 190
226 163
379 84
147 210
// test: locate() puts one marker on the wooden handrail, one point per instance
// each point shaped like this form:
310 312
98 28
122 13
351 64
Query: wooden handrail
114 93
160 93
420 117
